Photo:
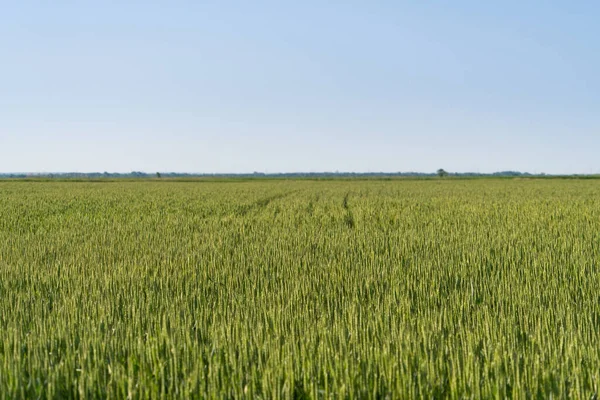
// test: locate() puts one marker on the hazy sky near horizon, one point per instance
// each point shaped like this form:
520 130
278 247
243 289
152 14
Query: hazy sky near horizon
281 86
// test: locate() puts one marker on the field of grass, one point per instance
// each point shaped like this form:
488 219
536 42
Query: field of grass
300 289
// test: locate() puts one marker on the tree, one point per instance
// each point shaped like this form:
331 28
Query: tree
442 173
158 174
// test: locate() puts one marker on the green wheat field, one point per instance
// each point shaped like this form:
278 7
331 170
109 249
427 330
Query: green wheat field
441 288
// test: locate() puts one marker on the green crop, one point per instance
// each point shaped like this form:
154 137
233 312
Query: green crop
300 289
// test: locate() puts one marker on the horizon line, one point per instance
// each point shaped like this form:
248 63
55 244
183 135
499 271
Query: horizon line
259 173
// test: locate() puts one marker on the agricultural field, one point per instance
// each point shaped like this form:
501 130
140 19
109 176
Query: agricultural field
300 289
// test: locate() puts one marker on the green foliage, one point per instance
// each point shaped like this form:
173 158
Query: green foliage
300 289
441 173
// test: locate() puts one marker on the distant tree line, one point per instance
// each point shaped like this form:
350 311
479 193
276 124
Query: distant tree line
137 174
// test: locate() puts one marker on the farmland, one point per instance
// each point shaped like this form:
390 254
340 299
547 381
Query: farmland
300 289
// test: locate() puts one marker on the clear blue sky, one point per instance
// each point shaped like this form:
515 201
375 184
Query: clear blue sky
278 86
